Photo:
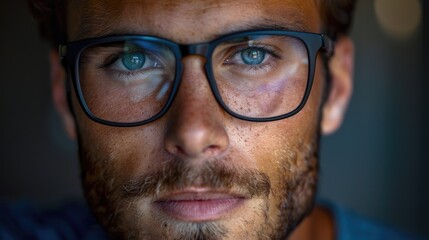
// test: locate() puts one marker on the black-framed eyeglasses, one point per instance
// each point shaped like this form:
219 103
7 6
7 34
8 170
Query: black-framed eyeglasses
131 80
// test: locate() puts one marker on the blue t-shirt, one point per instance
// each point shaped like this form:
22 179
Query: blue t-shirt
350 226
73 221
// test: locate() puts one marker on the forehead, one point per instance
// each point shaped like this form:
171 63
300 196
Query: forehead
186 21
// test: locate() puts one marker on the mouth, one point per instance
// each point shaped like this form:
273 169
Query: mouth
198 204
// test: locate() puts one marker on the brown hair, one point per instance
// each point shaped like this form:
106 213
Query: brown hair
337 16
51 16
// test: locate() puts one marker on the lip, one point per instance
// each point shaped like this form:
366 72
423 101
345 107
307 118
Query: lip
198 204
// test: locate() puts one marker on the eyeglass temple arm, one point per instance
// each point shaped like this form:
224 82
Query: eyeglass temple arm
328 45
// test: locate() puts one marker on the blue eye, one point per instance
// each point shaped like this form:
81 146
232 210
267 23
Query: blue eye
253 56
133 61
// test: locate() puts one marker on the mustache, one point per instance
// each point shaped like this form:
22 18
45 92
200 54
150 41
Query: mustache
177 175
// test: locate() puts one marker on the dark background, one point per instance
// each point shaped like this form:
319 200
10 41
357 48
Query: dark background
377 164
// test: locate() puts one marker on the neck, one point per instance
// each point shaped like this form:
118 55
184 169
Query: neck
318 225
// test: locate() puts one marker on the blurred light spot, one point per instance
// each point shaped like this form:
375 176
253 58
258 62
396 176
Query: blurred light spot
398 18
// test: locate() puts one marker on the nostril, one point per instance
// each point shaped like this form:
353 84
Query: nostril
174 149
211 150
179 150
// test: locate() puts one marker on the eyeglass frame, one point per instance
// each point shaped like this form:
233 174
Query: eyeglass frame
71 51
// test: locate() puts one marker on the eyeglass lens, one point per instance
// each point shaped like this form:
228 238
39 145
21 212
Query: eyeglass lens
262 77
127 81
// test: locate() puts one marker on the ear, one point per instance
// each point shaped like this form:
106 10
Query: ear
59 95
341 72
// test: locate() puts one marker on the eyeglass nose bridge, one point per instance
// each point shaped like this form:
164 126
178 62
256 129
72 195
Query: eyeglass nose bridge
199 49
194 49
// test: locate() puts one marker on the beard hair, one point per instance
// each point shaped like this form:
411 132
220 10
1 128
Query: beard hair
108 199
300 194
177 175
193 231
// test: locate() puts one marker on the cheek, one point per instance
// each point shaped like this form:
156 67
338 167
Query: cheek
124 152
111 156
282 144
121 150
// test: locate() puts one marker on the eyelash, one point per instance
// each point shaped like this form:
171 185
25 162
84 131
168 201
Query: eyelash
259 67
123 75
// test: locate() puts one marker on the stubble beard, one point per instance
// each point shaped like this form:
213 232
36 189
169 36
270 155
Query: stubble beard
110 201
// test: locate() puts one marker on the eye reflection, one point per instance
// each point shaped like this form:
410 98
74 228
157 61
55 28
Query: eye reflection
253 56
133 61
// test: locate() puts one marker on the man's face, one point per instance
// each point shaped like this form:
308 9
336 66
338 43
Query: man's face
197 172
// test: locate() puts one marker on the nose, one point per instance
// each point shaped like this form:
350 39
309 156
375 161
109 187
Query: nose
196 123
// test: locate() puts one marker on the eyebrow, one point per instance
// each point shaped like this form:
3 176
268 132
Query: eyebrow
90 25
266 24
